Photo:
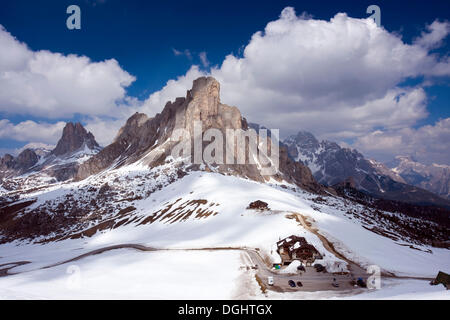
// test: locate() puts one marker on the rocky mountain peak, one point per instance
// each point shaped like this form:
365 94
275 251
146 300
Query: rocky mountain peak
11 166
434 177
131 126
149 140
307 139
333 165
203 104
73 138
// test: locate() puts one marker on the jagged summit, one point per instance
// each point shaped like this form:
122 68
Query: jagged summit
148 140
206 87
141 134
432 177
73 138
75 146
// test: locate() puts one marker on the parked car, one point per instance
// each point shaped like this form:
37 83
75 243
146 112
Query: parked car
299 284
319 267
301 268
292 283
361 283
335 284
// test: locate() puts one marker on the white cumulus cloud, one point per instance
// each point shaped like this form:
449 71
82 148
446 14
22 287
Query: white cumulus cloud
428 144
31 131
52 85
340 79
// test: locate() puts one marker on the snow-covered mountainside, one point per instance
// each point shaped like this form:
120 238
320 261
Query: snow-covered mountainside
204 210
434 177
135 194
332 164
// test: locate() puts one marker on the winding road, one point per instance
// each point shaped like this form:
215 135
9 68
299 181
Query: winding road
252 261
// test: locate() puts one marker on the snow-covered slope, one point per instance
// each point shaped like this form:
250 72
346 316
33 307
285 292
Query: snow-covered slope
207 210
204 210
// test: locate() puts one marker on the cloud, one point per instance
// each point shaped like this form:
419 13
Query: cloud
433 38
187 53
204 59
173 88
52 85
31 131
299 67
37 145
105 130
341 79
428 144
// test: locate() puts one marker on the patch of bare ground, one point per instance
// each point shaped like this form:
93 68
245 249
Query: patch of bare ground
171 214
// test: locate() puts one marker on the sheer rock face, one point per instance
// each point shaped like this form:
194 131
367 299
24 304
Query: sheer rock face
149 139
73 138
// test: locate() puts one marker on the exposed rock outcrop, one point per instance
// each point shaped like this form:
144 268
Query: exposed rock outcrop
259 205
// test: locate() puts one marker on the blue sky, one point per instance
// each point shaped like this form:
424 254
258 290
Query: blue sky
143 37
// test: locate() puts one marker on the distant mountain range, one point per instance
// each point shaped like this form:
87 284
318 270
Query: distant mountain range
435 177
403 180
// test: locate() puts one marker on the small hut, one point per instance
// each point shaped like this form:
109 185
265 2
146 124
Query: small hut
258 205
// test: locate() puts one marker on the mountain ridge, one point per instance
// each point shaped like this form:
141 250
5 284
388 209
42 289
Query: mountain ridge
333 165
434 177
